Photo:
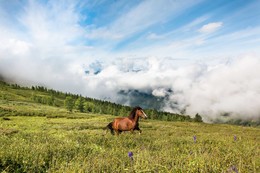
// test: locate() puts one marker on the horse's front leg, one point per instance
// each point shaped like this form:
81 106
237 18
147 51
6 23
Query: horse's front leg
117 132
137 128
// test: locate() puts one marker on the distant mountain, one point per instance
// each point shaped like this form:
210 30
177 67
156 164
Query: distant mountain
145 100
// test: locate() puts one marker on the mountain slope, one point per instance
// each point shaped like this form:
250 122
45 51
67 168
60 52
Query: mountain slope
17 100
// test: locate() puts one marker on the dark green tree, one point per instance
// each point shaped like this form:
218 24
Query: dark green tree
198 118
69 103
79 104
89 107
50 100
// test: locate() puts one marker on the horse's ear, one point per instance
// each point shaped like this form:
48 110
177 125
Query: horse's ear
138 108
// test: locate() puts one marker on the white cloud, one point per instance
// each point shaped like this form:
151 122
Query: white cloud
37 44
52 25
153 36
160 92
230 89
14 46
144 15
226 89
211 27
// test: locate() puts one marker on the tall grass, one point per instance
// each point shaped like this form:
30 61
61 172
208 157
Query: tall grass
42 144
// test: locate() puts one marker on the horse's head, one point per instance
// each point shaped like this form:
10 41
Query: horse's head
140 113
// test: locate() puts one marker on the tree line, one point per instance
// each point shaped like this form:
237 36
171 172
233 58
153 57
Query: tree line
78 103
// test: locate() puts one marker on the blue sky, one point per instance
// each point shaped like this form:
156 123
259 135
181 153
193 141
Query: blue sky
100 47
170 28
167 28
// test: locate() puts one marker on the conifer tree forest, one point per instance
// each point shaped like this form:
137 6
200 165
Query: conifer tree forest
78 103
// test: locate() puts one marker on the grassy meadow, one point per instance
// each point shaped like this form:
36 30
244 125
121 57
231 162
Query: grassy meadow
77 143
37 137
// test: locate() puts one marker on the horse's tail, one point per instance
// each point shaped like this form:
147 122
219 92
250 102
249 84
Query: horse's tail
110 127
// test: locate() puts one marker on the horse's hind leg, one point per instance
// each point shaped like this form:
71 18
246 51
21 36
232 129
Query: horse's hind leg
109 127
112 132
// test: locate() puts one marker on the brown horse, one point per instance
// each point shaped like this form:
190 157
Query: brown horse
129 123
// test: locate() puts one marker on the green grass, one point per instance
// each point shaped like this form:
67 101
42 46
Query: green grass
40 138
40 144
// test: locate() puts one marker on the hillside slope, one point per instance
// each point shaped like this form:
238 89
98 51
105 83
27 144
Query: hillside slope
13 97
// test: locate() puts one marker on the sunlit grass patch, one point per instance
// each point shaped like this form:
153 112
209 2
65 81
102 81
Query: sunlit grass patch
43 144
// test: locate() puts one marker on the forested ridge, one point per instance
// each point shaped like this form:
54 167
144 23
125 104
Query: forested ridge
74 103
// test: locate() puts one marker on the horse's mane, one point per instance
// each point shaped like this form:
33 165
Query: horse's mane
132 113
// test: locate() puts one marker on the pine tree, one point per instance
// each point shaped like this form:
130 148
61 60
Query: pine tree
69 103
79 104
198 118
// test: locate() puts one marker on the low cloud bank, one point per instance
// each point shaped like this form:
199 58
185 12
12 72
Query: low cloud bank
229 90
222 91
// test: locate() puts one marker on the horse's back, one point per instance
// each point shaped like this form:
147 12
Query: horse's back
123 124
121 120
